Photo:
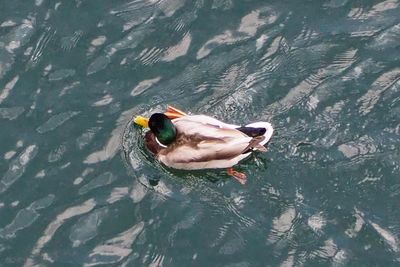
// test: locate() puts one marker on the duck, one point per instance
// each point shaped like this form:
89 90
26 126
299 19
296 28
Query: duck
195 142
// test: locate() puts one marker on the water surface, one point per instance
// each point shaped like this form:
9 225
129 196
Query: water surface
78 188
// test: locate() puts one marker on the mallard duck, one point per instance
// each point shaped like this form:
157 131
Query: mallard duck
193 142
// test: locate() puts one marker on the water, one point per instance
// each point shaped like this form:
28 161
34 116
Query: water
78 188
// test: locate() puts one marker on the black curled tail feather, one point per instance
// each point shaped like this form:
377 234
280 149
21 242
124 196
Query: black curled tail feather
252 131
255 144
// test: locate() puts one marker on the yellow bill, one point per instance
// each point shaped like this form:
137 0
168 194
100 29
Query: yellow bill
142 121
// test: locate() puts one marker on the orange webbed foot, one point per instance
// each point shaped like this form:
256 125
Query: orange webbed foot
239 176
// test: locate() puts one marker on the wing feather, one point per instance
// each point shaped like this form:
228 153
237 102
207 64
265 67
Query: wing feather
207 150
206 142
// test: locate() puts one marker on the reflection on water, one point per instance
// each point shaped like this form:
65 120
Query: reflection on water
77 186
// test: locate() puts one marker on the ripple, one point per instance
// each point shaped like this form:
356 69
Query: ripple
8 155
62 74
390 239
56 121
38 2
98 41
328 250
283 224
378 87
231 78
101 180
117 194
389 38
222 231
222 4
376 10
189 221
344 65
113 144
307 37
98 64
232 246
57 153
273 48
115 249
306 87
368 22
169 7
247 28
11 113
358 225
135 13
7 89
51 229
17 167
182 21
18 36
362 147
107 99
84 139
179 50
325 74
387 236
69 42
26 217
316 222
41 45
87 227
138 192
144 85
150 56
130 41
336 3
8 23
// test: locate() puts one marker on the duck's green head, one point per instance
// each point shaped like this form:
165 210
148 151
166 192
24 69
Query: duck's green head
163 128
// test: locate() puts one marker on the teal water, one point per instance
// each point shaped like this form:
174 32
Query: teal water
77 187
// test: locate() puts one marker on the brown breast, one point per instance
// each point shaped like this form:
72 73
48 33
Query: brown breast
151 143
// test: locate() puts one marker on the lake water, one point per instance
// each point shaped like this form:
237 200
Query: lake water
78 188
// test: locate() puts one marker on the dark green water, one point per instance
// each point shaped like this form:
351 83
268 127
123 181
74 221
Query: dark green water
78 188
